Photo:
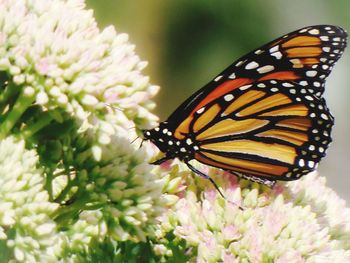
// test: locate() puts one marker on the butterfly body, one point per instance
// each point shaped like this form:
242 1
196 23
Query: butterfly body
262 118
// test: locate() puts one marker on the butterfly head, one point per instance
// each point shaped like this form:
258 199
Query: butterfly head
164 139
160 136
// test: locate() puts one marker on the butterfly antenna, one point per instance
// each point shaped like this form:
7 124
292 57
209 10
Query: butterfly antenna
213 182
113 107
134 140
141 143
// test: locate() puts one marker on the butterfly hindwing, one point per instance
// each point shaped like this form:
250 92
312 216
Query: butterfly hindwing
275 130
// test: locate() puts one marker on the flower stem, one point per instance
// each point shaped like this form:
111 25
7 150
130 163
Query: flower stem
44 120
48 184
65 191
24 100
10 91
66 213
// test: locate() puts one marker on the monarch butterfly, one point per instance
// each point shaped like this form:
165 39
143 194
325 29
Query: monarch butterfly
263 118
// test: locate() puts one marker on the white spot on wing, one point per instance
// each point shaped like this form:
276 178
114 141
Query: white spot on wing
232 76
311 164
273 49
265 69
200 110
314 32
239 63
218 78
245 87
312 147
277 55
252 65
311 73
287 84
317 84
324 116
189 141
228 97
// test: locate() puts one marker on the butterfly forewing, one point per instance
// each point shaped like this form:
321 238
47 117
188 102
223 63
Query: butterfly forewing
305 56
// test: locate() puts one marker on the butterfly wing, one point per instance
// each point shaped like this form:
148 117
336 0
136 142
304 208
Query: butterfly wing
271 129
305 56
263 117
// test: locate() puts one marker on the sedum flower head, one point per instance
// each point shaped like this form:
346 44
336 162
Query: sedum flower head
301 221
54 55
26 227
72 93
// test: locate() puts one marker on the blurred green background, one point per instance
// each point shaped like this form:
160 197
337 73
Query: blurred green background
187 43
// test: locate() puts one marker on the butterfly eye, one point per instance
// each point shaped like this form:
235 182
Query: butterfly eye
147 134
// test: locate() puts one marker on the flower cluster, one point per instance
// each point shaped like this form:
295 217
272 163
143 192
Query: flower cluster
69 96
302 221
25 210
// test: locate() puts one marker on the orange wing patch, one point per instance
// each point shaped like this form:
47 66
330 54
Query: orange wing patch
304 52
244 166
206 117
290 110
302 124
275 151
219 91
183 128
269 102
244 99
302 41
231 127
297 138
280 75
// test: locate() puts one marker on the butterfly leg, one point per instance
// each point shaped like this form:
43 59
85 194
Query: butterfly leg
252 178
212 181
206 177
160 161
